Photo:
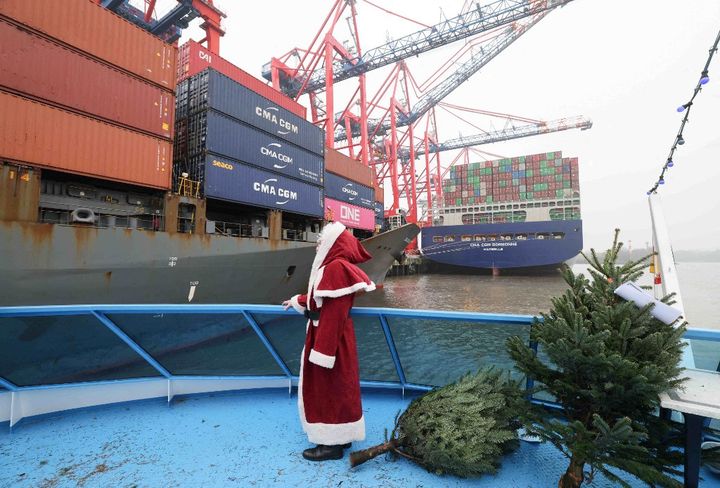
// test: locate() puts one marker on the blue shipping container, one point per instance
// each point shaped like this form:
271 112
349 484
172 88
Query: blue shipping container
342 189
228 137
211 89
232 180
379 213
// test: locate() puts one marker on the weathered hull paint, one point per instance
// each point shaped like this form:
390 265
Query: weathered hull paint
47 264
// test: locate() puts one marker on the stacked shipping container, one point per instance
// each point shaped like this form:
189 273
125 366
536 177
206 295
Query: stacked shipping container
244 148
193 58
379 206
100 33
350 191
533 177
75 80
83 90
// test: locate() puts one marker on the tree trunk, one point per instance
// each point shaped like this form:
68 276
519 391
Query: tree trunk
359 457
573 477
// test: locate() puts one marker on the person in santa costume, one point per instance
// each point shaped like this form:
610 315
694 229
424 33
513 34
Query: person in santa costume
329 388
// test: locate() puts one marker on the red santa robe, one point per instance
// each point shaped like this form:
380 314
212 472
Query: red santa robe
329 387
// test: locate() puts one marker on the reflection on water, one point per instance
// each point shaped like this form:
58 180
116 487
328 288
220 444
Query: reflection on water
699 282
437 352
700 287
476 293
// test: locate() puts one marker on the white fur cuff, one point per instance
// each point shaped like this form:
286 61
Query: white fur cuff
296 305
321 359
345 291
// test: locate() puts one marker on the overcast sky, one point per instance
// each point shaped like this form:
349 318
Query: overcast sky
625 64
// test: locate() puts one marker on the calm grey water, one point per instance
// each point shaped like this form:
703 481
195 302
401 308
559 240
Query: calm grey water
699 282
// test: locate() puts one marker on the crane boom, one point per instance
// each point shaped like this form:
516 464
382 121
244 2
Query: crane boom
466 70
475 21
527 130
479 59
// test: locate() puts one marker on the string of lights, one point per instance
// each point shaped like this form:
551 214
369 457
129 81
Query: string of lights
685 108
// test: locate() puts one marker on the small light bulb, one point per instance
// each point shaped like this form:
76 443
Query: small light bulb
670 163
649 192
704 78
681 109
661 181
681 141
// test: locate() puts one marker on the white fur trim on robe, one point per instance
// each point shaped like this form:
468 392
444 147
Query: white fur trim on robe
341 292
296 305
318 279
327 238
334 434
321 359
319 294
328 434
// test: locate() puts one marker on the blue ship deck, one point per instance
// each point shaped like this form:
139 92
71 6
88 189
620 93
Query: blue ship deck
207 417
250 438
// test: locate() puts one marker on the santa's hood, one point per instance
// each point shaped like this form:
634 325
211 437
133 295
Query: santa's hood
336 242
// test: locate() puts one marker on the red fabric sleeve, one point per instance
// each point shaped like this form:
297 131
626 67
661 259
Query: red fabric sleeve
333 318
302 300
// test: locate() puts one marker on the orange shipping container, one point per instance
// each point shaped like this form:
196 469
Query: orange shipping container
66 77
99 32
342 165
40 135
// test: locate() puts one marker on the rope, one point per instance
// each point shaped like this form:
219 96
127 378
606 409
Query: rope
396 14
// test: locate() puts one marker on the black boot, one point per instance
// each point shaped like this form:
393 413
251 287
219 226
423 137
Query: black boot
323 453
346 446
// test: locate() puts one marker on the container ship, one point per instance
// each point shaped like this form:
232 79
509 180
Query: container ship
520 213
134 172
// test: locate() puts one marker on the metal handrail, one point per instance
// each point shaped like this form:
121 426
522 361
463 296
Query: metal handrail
101 312
235 229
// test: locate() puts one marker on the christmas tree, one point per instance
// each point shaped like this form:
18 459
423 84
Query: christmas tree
461 429
605 361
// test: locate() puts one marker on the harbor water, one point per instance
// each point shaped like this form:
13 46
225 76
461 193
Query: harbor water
699 283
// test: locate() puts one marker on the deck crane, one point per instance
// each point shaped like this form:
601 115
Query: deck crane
341 63
168 26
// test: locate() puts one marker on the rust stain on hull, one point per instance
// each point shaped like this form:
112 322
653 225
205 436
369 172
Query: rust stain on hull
40 235
84 238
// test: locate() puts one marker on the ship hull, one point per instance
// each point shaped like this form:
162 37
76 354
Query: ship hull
46 264
529 253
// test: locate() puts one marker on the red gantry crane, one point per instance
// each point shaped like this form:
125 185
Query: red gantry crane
388 142
328 61
168 26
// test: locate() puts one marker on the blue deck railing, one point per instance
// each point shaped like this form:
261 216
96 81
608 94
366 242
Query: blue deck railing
109 353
